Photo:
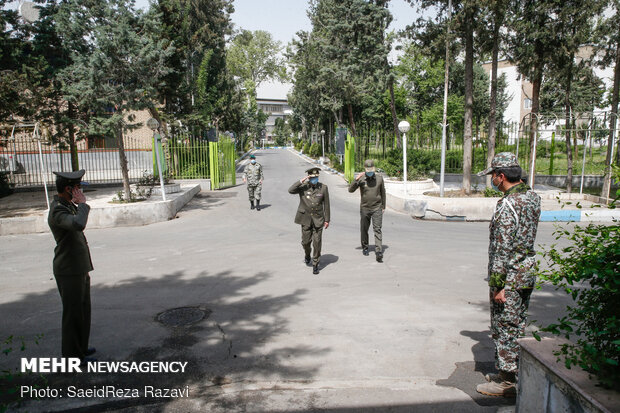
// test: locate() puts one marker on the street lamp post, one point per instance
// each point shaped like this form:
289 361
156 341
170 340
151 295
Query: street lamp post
323 142
403 127
153 124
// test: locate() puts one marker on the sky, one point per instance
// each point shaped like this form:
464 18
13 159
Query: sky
284 18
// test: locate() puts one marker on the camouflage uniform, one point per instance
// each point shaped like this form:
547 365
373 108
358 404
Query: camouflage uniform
512 261
254 175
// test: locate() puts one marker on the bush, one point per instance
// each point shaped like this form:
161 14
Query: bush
335 162
306 148
587 270
491 193
315 150
298 145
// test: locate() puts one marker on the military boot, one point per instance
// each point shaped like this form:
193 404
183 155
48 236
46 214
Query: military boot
258 204
379 257
365 251
307 259
251 204
501 385
315 269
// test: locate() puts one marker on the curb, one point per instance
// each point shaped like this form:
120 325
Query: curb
571 215
314 162
117 215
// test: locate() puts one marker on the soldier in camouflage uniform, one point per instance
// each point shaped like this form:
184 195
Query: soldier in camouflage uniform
511 272
253 176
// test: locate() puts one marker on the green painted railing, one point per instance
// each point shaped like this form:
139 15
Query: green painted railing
349 158
222 163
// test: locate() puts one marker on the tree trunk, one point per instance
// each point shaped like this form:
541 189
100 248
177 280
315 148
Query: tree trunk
493 102
123 161
351 120
469 103
393 108
567 124
536 85
75 165
612 126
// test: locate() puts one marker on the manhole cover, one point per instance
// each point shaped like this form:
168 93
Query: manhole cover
182 316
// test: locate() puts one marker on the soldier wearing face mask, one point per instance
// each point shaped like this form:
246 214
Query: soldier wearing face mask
372 206
253 176
312 214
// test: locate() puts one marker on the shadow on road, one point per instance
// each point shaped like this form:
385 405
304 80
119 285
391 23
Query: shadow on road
327 259
230 344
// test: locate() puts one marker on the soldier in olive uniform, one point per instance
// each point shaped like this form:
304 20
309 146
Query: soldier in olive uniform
253 176
372 206
67 219
312 214
511 272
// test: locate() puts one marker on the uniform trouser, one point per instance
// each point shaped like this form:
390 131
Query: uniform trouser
74 292
507 325
254 192
377 221
310 233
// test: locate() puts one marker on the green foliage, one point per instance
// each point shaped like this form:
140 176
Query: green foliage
306 148
587 270
335 162
299 144
492 193
315 150
8 386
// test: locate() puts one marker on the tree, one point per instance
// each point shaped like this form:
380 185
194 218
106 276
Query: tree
608 33
254 56
119 70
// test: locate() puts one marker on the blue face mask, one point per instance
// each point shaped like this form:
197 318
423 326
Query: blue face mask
314 181
370 174
253 161
495 187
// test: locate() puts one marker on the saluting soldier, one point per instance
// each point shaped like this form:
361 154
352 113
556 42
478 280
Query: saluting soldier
67 219
512 260
253 176
312 214
372 206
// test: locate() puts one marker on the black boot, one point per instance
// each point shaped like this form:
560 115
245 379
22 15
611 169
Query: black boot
379 257
307 259
258 204
315 269
365 251
251 204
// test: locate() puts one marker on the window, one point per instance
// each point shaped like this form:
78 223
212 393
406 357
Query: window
527 103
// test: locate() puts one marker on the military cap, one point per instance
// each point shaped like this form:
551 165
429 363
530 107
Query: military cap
74 177
313 172
252 157
369 165
501 160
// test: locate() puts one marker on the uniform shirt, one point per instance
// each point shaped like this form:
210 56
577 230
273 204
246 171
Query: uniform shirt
67 222
253 173
313 203
372 191
512 234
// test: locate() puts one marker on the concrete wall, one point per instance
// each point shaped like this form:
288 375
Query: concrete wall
590 181
546 386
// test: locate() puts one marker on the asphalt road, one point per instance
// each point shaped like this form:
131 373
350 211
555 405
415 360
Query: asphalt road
410 334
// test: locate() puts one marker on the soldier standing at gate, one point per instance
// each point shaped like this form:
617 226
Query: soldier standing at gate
372 206
511 272
312 214
253 176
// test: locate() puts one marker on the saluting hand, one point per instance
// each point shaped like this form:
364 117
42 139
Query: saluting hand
359 176
78 196
304 179
499 296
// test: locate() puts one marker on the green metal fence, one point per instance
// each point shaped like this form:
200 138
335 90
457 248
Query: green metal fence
349 158
187 157
222 163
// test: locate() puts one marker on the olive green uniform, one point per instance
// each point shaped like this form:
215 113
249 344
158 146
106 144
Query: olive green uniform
312 213
71 265
372 205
